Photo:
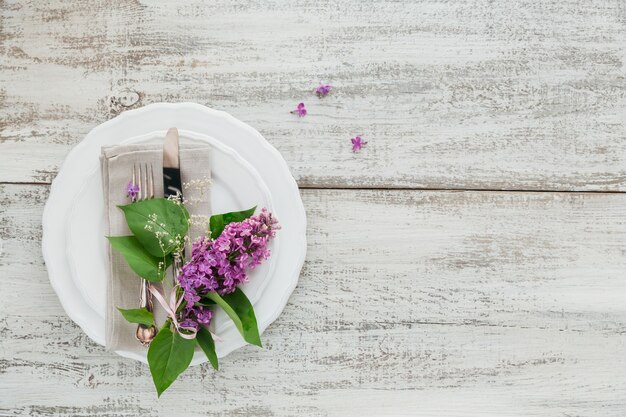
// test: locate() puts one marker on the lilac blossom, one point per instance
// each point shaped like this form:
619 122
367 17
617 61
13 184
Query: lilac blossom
300 110
323 90
220 264
195 316
132 190
357 143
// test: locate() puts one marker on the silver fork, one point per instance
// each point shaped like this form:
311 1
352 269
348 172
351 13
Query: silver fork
145 181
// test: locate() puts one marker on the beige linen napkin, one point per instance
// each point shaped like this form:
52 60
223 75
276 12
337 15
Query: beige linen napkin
123 285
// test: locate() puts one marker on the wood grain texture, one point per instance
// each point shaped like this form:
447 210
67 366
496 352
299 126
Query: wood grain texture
410 303
473 94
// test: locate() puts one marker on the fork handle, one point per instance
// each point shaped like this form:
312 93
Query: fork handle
175 269
145 296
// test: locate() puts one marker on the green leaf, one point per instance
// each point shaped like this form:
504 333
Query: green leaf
219 221
159 224
240 310
140 261
205 341
138 315
168 356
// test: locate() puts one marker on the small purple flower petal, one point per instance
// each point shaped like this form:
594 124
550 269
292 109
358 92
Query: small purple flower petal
357 143
323 90
300 110
189 324
132 190
204 315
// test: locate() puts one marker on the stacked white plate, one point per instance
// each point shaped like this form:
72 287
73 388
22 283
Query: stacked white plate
246 171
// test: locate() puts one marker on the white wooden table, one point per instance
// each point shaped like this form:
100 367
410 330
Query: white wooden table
470 261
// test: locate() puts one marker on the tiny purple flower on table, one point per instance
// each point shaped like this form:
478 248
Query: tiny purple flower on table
323 90
132 190
300 110
357 143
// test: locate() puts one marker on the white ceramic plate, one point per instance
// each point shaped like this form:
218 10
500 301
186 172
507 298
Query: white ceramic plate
205 123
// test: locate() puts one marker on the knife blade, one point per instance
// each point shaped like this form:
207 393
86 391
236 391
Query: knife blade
172 184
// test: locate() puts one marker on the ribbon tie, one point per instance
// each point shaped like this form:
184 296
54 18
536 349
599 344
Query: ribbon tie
171 307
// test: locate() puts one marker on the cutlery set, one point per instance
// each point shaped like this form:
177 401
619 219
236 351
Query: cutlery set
143 177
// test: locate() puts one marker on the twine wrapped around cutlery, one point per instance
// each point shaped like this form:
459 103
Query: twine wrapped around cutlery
123 285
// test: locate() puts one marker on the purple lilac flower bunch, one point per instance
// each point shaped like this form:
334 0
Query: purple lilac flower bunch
220 264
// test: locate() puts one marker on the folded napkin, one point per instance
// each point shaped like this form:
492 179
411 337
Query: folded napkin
123 288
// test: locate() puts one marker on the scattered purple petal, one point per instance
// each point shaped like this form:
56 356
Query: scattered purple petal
300 110
323 90
132 190
357 143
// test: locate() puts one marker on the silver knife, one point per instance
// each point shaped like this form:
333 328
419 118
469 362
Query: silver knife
172 184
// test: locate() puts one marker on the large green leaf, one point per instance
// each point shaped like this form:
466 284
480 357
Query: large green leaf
240 310
168 356
205 341
159 224
219 221
138 315
139 259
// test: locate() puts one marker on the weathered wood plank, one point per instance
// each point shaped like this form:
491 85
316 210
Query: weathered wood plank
470 94
410 303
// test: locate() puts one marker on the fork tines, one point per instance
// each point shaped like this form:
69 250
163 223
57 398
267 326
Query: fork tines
143 177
